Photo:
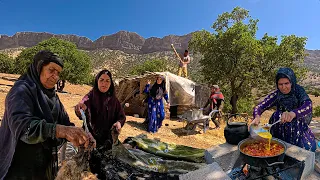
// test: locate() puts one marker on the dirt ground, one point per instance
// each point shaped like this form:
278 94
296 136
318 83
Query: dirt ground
172 131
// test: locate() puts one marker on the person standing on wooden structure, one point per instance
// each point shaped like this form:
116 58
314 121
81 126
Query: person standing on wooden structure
183 66
184 61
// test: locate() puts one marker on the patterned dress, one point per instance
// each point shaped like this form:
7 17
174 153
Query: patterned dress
297 131
156 112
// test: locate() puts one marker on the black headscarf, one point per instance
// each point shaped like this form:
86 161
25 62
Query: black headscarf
103 110
46 105
157 90
110 91
98 97
40 59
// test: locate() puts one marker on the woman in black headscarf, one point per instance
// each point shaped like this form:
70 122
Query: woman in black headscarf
35 123
103 109
156 112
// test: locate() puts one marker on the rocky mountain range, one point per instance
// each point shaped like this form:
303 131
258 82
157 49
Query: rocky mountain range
128 42
123 50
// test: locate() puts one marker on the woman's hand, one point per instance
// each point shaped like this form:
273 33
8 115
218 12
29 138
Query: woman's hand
75 135
256 121
118 126
287 116
78 107
92 140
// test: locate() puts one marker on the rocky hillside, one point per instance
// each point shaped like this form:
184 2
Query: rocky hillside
120 63
127 42
123 50
312 61
12 52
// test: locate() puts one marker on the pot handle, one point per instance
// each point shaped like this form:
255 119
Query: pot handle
275 163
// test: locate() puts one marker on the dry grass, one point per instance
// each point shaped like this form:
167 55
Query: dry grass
171 131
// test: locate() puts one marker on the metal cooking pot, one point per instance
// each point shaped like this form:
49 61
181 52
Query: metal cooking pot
235 132
262 161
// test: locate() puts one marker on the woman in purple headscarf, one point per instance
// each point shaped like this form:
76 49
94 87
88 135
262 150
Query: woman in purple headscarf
102 109
156 112
294 109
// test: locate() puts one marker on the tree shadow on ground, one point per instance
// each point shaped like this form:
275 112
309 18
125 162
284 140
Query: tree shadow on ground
138 125
183 132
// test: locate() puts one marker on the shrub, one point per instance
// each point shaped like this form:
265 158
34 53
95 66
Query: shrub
316 111
77 64
155 65
244 105
315 92
6 64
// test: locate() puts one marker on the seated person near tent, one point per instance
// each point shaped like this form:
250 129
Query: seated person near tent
103 109
215 100
156 112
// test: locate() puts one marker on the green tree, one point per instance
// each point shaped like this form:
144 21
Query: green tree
77 64
6 63
234 58
155 65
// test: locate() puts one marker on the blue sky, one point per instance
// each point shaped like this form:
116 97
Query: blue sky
156 18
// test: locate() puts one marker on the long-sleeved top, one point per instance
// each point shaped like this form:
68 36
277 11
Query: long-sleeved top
271 101
215 101
295 132
100 119
27 133
156 112
147 91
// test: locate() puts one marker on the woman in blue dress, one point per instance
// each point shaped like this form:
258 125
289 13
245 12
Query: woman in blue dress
156 111
294 109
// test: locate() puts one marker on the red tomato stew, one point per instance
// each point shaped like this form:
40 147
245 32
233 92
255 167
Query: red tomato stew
261 149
